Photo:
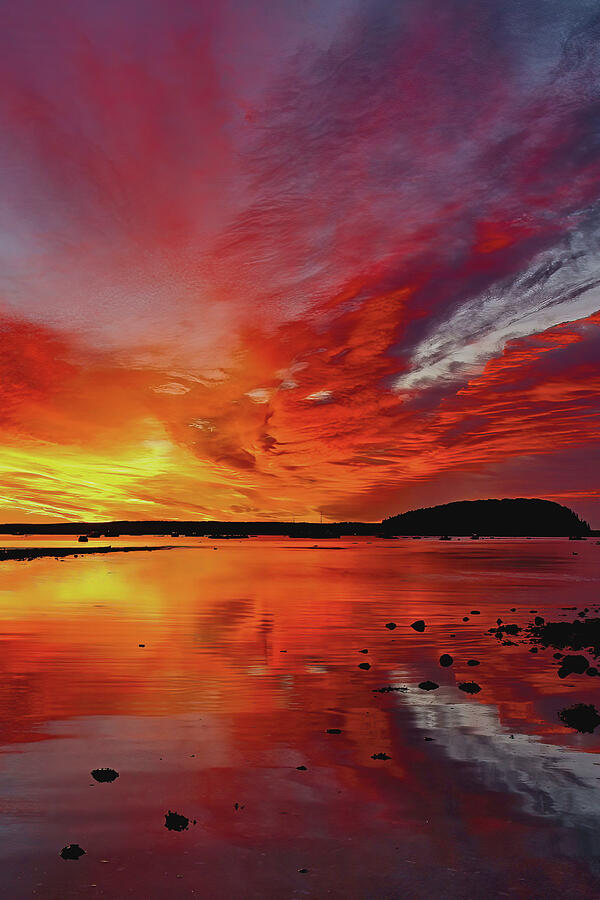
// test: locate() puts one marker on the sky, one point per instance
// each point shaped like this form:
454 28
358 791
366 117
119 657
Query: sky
270 259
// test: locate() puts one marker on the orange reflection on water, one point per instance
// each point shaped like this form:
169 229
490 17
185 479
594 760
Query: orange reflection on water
251 653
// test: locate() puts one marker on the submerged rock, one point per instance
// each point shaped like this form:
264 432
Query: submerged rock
334 731
104 775
429 686
72 851
175 822
575 664
472 662
380 756
364 665
469 687
301 768
391 625
583 717
419 625
446 660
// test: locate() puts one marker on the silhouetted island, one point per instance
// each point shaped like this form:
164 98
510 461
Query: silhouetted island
500 518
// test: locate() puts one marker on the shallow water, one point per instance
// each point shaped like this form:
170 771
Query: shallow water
250 655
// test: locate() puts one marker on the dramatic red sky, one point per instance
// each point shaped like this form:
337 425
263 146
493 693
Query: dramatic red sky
264 258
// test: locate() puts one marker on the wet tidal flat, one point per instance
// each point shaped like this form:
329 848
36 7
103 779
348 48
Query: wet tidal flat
273 718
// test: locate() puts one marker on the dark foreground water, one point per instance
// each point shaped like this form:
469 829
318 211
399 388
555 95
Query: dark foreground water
251 653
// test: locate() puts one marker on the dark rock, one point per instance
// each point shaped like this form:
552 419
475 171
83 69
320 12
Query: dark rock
558 655
301 768
419 625
513 609
72 851
472 662
465 618
389 689
364 665
539 620
176 822
428 739
499 621
429 686
363 651
303 871
391 625
592 671
577 635
334 731
104 775
572 664
533 649
141 645
469 687
511 629
583 717
475 612
380 756
446 660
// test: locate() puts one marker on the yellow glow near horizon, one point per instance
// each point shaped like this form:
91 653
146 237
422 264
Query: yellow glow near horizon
66 482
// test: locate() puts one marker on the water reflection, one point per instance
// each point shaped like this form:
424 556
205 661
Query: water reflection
250 655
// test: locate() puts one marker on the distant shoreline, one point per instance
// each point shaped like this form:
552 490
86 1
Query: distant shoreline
28 553
509 517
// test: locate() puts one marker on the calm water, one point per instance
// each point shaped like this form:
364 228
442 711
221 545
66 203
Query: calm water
251 653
